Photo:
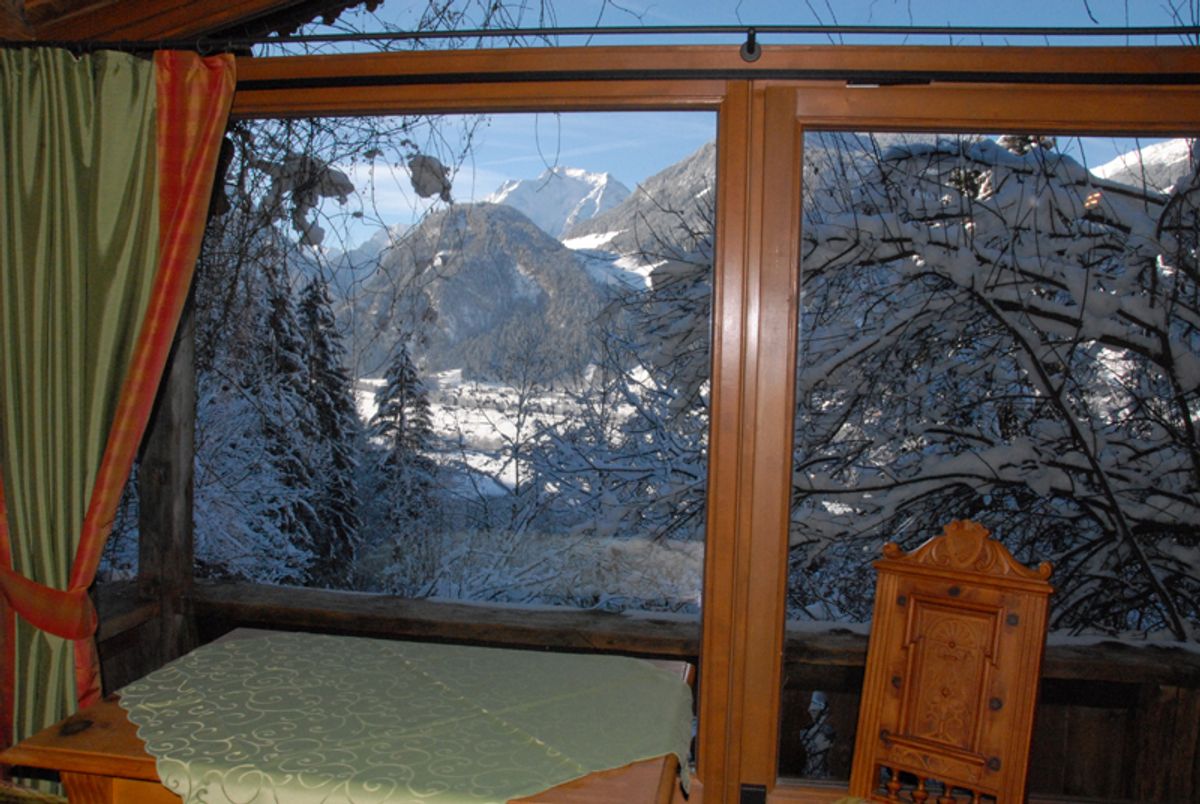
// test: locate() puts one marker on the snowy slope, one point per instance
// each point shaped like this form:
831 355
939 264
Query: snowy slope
383 239
345 269
1161 164
561 197
665 210
622 246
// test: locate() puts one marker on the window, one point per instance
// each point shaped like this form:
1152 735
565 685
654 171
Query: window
977 341
491 386
755 284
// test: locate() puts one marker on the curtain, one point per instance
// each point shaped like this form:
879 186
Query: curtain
106 178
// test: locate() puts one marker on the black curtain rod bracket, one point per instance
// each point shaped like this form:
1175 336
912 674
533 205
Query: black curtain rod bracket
751 50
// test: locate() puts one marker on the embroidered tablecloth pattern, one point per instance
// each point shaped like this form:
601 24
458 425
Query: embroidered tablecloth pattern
296 718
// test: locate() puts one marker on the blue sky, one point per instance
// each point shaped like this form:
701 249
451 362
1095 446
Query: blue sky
633 146
1089 13
630 145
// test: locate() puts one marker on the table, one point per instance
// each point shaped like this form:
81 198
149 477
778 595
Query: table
102 759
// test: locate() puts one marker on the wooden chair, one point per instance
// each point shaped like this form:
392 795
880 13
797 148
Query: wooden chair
952 672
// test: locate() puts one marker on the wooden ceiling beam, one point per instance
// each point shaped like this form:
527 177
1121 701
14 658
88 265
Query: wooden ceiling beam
121 20
12 22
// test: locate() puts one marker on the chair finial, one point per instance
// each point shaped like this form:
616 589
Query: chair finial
965 545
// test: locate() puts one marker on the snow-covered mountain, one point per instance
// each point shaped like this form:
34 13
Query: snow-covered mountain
665 217
370 249
343 270
561 197
485 288
1159 165
679 197
480 274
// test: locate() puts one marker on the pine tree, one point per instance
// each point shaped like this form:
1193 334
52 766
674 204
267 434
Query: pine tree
403 426
252 486
288 422
333 460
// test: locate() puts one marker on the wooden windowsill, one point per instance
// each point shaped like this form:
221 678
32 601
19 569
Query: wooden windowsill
226 604
221 605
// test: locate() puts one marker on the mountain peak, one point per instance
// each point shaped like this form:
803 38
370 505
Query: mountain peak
1158 165
576 173
561 197
680 195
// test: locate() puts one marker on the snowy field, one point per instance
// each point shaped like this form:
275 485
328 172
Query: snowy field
479 427
478 424
611 574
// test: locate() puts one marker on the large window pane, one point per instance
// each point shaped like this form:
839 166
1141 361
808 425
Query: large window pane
460 357
1006 329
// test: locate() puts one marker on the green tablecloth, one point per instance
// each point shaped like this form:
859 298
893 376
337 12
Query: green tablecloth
294 718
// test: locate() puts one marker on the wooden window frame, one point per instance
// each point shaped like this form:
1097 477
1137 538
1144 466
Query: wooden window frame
1067 107
763 110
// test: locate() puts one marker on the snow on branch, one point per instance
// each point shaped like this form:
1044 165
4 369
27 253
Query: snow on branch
1003 336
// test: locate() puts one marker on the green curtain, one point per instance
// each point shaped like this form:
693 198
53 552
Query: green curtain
78 247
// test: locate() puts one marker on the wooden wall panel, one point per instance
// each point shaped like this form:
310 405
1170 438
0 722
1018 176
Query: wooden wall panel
12 23
120 20
1166 733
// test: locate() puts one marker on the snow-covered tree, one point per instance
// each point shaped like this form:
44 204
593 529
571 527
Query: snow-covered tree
282 380
251 483
529 362
400 513
402 428
243 504
335 440
998 334
634 462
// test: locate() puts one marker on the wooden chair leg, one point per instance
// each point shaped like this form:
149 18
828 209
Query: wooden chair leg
893 785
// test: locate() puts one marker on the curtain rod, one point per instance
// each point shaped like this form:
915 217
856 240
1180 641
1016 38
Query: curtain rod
212 44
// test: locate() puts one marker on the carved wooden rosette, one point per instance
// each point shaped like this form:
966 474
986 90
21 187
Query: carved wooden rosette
952 671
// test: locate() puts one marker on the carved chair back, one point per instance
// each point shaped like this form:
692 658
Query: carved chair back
952 672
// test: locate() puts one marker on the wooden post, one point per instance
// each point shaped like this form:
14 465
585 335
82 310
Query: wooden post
165 549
